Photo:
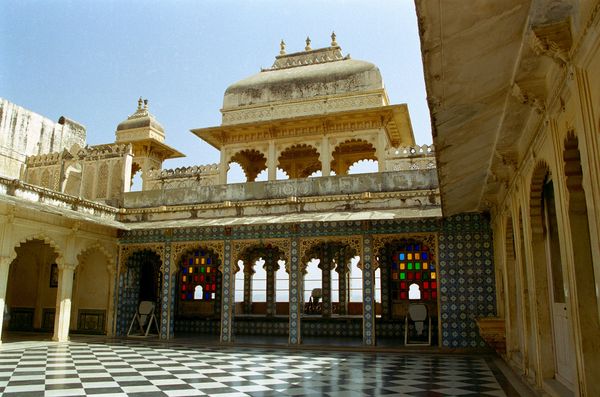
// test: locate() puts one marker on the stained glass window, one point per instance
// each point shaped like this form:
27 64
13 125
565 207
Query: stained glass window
198 277
412 265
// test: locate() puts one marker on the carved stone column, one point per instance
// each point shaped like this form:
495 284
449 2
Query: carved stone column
272 161
5 262
63 302
296 291
325 157
386 312
326 287
223 166
271 268
342 271
248 272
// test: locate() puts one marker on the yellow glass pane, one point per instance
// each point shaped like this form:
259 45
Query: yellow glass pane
208 269
433 275
197 261
402 265
203 261
417 255
425 266
184 279
191 270
409 256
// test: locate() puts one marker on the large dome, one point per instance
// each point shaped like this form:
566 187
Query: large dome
305 75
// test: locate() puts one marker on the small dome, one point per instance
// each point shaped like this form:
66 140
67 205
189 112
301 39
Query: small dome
305 75
142 118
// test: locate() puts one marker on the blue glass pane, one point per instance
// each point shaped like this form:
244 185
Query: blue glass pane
401 257
191 261
417 247
208 261
185 270
424 256
394 266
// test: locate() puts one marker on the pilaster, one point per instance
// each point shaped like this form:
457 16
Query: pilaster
295 336
5 262
228 296
368 294
165 309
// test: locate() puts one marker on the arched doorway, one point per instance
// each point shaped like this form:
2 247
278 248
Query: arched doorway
91 293
32 288
140 280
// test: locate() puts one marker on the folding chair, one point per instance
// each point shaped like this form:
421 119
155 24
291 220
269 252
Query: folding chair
145 317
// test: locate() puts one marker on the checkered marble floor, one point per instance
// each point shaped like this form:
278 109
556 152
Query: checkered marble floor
151 369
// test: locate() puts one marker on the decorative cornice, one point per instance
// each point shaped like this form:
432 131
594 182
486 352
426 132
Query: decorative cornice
528 98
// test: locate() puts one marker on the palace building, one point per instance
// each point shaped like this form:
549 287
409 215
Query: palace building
486 239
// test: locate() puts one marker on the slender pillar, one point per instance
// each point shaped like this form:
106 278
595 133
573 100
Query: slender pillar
325 157
326 288
296 289
271 291
272 161
368 294
248 272
112 271
380 150
223 166
227 300
5 262
63 302
342 270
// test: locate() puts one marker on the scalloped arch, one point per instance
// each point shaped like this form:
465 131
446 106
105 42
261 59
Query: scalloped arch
83 255
46 239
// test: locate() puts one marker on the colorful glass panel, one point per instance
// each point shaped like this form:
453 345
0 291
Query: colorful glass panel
406 266
198 269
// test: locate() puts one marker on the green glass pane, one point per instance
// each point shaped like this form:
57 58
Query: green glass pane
418 265
402 276
410 266
425 275
202 269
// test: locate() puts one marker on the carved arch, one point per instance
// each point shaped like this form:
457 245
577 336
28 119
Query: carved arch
299 160
349 152
252 161
46 239
178 250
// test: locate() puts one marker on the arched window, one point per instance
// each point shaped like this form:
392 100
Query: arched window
414 293
198 269
282 283
198 293
412 264
259 282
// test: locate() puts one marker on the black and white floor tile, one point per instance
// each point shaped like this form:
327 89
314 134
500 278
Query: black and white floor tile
147 369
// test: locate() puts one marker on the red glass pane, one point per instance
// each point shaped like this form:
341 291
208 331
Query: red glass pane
403 285
183 296
418 274
425 284
183 287
403 295
433 294
425 295
433 285
410 275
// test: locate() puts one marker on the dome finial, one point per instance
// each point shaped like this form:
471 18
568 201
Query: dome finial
140 103
282 47
307 48
333 42
145 104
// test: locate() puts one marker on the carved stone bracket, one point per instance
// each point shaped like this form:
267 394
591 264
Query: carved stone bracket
553 40
528 98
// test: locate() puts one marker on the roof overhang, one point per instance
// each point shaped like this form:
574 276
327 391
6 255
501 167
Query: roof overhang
394 118
470 55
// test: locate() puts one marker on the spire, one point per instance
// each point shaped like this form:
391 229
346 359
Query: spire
333 42
145 104
140 103
282 47
307 48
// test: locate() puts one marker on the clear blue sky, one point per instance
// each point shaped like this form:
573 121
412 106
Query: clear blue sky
91 60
